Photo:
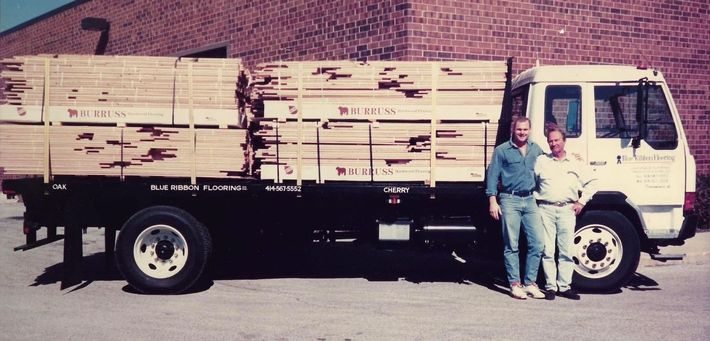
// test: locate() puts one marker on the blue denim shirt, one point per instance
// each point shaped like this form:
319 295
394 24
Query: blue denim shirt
515 171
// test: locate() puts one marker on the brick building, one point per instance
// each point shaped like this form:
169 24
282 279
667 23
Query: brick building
671 35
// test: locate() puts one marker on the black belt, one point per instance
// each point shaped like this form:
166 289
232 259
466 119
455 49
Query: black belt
519 193
557 203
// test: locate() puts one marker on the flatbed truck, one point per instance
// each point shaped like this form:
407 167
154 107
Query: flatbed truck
620 119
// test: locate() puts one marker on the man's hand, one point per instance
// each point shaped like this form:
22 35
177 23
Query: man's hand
577 207
494 208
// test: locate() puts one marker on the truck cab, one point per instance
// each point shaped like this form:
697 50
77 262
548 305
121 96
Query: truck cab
622 121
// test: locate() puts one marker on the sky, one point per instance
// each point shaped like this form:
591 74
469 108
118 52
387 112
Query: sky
15 12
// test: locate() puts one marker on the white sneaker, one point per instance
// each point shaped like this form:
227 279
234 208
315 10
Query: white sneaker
516 290
533 291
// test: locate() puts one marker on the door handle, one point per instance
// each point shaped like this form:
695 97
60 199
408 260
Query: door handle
597 163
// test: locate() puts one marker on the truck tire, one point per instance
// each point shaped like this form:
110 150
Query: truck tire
606 251
162 250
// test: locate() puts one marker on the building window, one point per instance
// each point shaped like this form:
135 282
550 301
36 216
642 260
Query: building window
217 52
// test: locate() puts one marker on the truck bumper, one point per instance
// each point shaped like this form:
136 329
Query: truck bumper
690 225
687 230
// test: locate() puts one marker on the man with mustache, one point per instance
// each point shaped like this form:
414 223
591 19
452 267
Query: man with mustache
561 177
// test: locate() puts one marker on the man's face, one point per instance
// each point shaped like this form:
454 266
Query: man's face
556 142
521 131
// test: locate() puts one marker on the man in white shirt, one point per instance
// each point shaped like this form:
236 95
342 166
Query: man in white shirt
560 178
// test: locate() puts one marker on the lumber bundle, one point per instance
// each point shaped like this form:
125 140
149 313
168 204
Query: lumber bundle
124 151
381 151
374 121
122 89
462 90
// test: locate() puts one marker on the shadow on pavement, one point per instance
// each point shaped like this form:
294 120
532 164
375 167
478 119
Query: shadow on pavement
320 261
348 260
94 267
640 282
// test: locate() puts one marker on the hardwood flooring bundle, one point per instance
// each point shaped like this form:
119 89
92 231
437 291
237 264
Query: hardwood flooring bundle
395 90
122 89
124 151
380 151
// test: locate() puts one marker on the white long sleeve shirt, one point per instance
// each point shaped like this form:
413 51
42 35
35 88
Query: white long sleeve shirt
563 180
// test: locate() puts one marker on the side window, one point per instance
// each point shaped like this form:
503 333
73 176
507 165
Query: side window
520 101
615 108
517 108
563 108
661 132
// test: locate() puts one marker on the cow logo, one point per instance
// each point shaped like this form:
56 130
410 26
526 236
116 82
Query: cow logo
343 111
340 170
73 113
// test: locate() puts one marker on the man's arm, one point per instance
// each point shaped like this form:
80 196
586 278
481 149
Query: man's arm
494 170
588 184
493 208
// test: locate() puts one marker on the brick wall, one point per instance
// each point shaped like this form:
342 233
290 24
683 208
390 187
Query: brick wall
671 35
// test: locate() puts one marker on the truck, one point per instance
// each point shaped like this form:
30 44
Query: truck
621 120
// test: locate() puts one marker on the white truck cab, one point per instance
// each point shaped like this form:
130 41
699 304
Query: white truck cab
623 122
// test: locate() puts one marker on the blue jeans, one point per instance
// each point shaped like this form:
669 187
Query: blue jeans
559 231
516 210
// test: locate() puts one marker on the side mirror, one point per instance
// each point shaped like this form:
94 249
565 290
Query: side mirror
641 111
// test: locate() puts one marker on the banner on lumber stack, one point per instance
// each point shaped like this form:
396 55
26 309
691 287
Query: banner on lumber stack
122 89
374 121
124 151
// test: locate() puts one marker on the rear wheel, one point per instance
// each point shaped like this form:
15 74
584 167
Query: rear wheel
607 251
162 249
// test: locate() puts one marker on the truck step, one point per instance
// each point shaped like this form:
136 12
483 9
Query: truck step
39 243
662 258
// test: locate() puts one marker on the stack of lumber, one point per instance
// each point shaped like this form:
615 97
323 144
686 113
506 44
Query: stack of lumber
122 89
124 151
354 121
464 90
381 151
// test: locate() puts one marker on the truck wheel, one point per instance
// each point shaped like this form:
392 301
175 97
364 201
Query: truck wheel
162 250
607 251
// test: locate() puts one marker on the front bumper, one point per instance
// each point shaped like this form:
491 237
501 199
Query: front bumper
687 230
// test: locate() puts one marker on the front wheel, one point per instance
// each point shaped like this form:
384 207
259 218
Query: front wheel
607 251
163 250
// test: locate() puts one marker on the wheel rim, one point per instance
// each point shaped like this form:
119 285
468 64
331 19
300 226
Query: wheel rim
598 251
160 251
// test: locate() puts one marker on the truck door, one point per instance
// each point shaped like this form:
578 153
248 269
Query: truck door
652 175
